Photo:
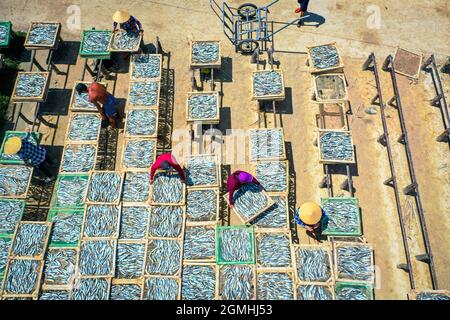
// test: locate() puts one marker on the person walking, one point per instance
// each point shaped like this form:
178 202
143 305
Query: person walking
236 180
30 153
166 162
103 100
311 217
302 9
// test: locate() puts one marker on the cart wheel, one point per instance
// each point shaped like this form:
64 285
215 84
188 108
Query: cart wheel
248 46
247 10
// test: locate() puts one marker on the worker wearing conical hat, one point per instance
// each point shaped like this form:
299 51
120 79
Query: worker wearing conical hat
123 20
310 216
30 153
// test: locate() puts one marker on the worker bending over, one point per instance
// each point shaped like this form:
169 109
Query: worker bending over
123 20
30 153
102 99
236 180
311 217
166 161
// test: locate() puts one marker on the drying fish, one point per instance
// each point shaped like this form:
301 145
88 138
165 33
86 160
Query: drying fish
101 221
351 293
104 187
42 33
30 239
273 250
139 153
205 52
10 214
130 260
145 66
236 245
66 227
96 41
313 264
201 171
14 180
202 106
134 222
136 187
143 93
167 188
22 276
70 191
166 221
274 286
324 57
314 292
343 216
201 205
163 257
4 33
30 84
141 122
54 295
432 296
59 267
249 200
199 243
336 146
84 127
161 289
81 101
354 262
91 289
237 282
267 83
272 175
266 144
96 258
125 40
125 292
78 158
274 217
5 244
198 282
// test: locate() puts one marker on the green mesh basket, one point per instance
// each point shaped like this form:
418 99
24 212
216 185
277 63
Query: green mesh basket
4 159
329 231
69 176
220 260
367 288
51 217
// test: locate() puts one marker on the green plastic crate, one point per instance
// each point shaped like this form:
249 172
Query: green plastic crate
34 136
5 43
2 270
97 54
22 202
69 176
220 260
367 288
332 232
50 217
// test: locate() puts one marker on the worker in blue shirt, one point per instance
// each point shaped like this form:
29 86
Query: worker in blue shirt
311 217
125 21
30 153
302 9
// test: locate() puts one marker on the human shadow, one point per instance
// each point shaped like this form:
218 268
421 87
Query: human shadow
313 19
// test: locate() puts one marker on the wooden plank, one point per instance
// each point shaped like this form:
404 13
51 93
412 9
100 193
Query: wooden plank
279 97
283 155
73 115
206 222
124 166
214 120
133 66
35 293
218 171
116 233
331 116
250 219
313 69
139 106
259 233
411 76
220 283
205 260
154 135
334 161
45 242
42 46
340 76
338 244
23 195
325 247
215 65
94 144
42 97
115 202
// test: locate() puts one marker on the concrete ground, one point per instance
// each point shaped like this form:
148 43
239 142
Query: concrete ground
358 28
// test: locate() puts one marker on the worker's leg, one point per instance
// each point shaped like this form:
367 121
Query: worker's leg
113 121
45 169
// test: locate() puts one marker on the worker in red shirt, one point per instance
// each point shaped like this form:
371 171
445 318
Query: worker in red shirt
165 162
236 180
102 99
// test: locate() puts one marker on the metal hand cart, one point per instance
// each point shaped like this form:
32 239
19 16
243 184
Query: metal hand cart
248 27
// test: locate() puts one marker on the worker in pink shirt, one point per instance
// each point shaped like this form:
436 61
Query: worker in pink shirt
165 162
236 180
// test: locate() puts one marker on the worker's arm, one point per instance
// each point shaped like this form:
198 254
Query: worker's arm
115 26
231 186
138 24
180 171
100 109
153 169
